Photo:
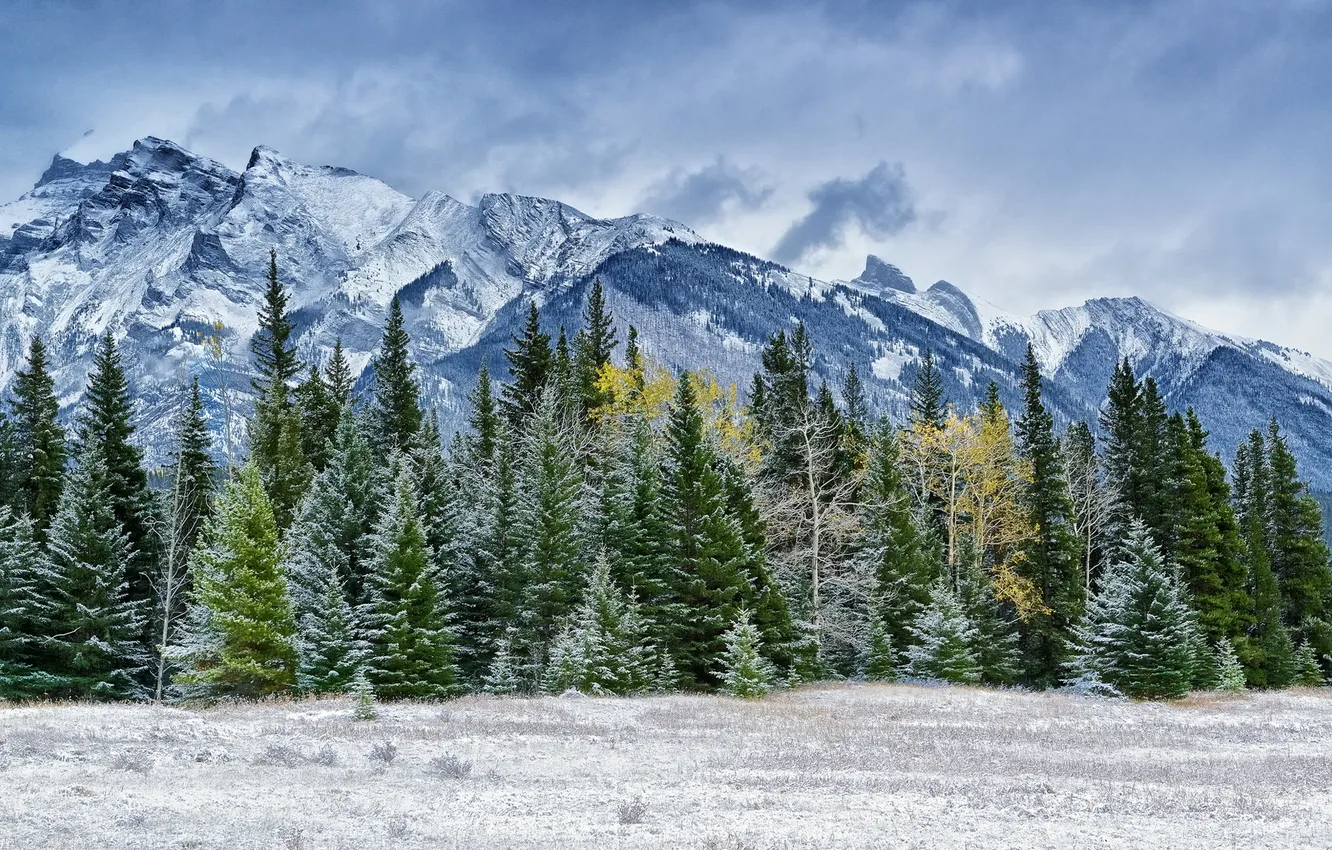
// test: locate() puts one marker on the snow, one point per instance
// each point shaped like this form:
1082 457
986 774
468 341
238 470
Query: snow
851 766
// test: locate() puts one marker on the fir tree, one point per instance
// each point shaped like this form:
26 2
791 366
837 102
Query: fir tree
319 414
604 649
1269 652
395 414
88 628
880 658
994 643
1051 562
274 354
330 654
1137 633
857 415
105 420
503 675
239 639
484 419
530 364
1120 427
38 440
745 672
1308 672
943 640
363 696
1298 552
339 379
405 617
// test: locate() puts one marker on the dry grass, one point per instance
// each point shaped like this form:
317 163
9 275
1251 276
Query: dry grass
835 767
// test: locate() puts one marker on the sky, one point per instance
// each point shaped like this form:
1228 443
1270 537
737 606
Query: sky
1034 154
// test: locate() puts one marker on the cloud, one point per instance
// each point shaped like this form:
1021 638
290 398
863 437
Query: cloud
701 197
880 204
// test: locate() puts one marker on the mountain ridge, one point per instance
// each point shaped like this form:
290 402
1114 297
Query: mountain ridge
167 250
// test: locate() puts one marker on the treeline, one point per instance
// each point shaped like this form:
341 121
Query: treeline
607 526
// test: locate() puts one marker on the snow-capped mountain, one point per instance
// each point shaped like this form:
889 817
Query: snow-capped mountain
168 251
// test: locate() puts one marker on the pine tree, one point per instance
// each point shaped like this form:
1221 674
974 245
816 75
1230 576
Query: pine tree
239 638
105 420
395 414
745 672
604 649
530 365
1137 632
38 440
88 628
405 617
928 404
942 644
593 348
1051 562
1229 671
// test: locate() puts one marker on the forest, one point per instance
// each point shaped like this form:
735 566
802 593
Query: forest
606 526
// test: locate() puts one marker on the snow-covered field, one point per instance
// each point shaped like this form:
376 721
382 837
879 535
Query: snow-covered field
835 767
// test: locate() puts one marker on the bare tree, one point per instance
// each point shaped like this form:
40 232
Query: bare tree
1094 499
174 532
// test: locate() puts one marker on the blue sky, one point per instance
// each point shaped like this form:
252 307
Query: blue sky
1035 154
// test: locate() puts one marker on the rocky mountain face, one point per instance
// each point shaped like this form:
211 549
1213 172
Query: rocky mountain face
168 251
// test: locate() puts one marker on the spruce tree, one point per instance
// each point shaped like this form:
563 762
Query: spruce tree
548 513
395 412
330 654
1137 636
1120 430
105 420
276 438
503 675
745 672
89 629
881 657
21 566
942 641
1298 552
1229 671
239 638
928 404
1269 652
38 440
319 413
405 618
192 469
604 649
704 542
594 346
1051 562
1308 672
892 543
339 379
994 642
530 365
484 419
857 416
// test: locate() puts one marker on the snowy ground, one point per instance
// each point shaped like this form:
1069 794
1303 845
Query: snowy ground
836 767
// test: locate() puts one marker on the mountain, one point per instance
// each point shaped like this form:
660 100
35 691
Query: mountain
168 250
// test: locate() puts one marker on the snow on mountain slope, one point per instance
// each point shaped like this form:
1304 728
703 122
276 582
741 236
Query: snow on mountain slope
168 251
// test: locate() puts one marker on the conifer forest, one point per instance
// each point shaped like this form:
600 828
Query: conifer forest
609 527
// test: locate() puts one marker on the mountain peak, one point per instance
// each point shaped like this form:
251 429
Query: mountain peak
64 168
880 274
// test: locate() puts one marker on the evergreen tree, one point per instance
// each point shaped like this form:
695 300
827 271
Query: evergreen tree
88 628
363 694
857 416
881 658
319 414
1051 562
745 672
503 675
552 567
339 379
239 639
1308 672
530 365
405 617
1298 552
38 440
942 641
928 404
276 439
1269 652
1137 633
21 567
330 655
704 542
994 642
604 649
105 420
1120 429
593 348
484 419
1229 671
395 414
904 561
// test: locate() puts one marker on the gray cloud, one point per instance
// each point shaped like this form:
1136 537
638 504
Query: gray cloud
880 204
701 197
